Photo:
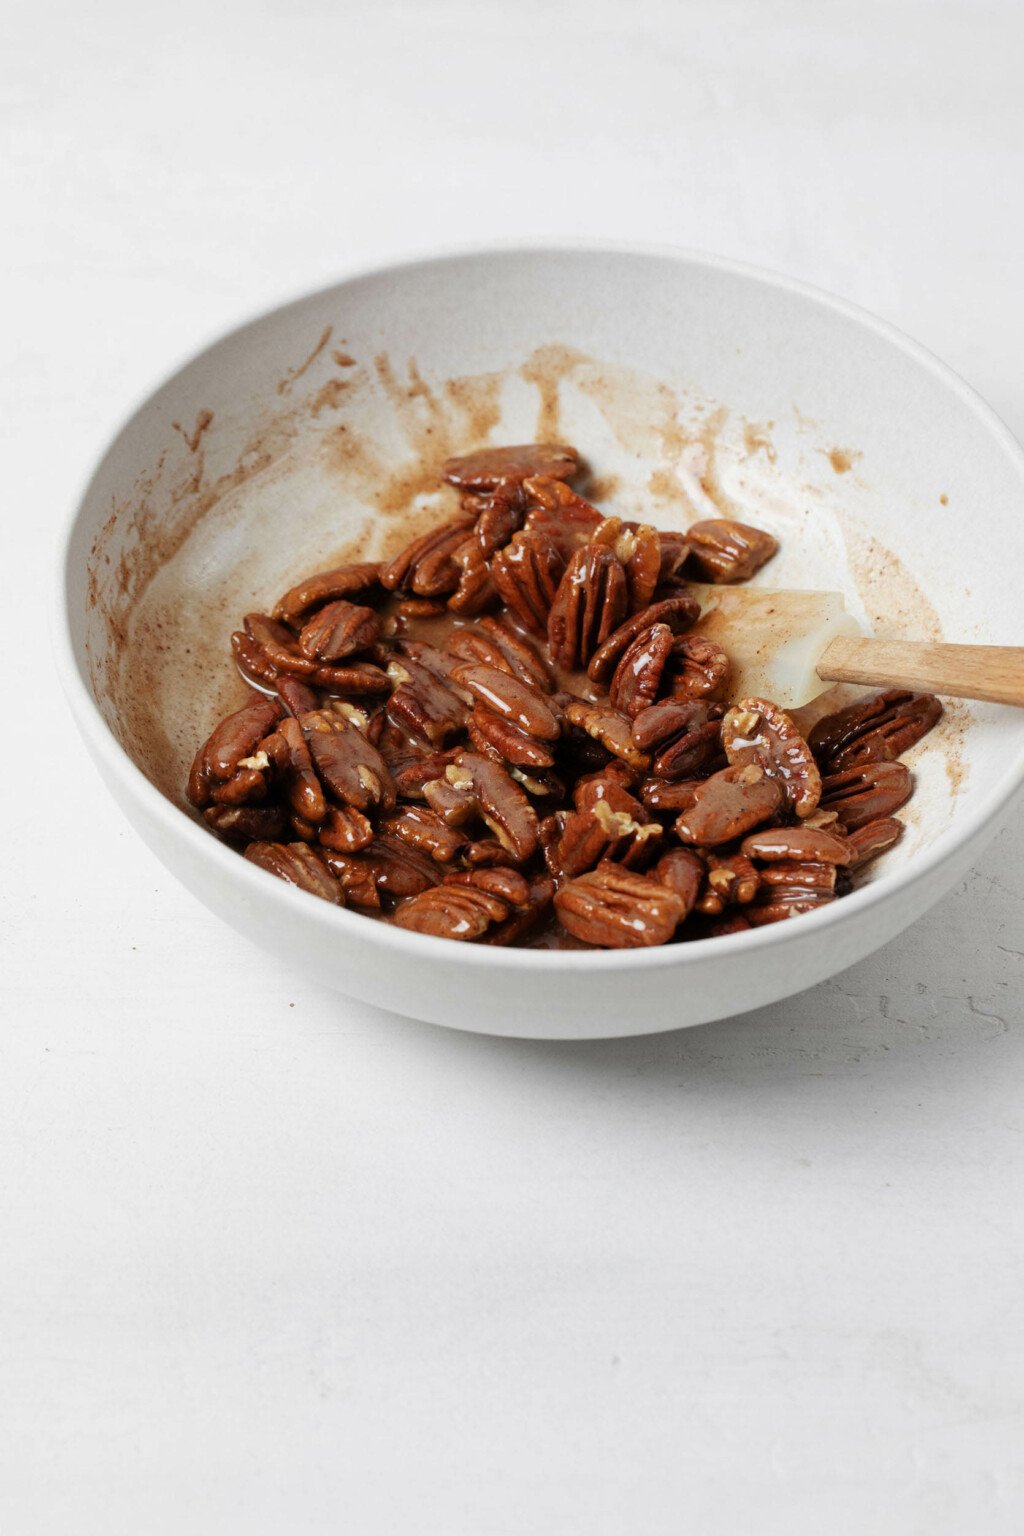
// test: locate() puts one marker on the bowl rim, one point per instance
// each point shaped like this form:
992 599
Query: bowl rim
176 822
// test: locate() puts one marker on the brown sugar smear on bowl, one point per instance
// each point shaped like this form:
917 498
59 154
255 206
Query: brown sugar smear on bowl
515 733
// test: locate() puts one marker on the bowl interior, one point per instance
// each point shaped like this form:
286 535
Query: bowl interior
694 389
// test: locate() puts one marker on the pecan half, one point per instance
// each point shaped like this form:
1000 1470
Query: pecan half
493 644
297 698
727 805
616 908
874 730
345 830
348 581
871 839
637 678
298 865
247 823
697 668
236 738
732 881
610 728
678 612
526 574
590 603
682 736
269 648
504 695
557 511
487 468
427 566
473 786
349 765
506 741
527 916
422 705
339 629
724 551
756 730
464 906
790 845
638 548
278 644
411 770
608 823
425 831
301 786
683 871
475 590
789 889
868 793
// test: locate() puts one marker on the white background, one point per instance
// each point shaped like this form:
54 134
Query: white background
271 1261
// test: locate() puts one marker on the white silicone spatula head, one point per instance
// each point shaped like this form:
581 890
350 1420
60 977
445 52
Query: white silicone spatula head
791 646
774 640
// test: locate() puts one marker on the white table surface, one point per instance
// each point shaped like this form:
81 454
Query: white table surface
271 1261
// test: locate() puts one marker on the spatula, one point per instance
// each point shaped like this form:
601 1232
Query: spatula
792 646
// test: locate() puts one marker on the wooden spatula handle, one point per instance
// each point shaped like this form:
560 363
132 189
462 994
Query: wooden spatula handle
993 672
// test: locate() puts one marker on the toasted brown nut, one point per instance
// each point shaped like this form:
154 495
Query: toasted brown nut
868 793
339 629
683 871
236 738
425 831
756 730
507 742
300 784
790 889
696 668
612 827
472 786
554 509
345 830
465 905
874 730
616 908
793 844
678 612
610 728
298 865
278 644
346 581
350 766
475 590
252 660
526 574
517 702
732 881
494 644
522 920
427 566
683 736
669 798
637 678
487 468
422 705
356 877
247 823
297 698
589 605
729 804
724 551
872 839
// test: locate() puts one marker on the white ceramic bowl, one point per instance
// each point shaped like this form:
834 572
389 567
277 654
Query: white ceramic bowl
690 384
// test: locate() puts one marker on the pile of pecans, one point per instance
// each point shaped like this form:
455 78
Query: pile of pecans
515 732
